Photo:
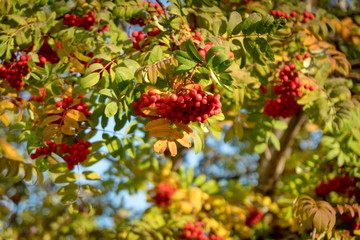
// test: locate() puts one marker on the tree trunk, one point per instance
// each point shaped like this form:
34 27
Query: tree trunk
274 161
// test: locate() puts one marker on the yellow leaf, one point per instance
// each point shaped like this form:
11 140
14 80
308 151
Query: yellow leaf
68 130
50 119
77 66
172 148
160 146
9 150
7 105
69 92
164 123
161 133
5 119
149 111
50 131
82 57
185 128
58 138
52 109
176 134
71 122
76 115
185 141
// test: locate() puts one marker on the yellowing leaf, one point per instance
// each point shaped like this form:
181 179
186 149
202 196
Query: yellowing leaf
77 66
71 122
6 105
172 148
161 133
176 134
149 111
160 146
91 175
184 141
50 119
50 131
76 115
9 150
164 123
5 119
52 109
185 128
68 130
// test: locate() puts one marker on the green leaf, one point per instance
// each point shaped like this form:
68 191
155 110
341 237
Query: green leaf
275 141
155 55
200 180
88 175
92 159
233 26
184 59
90 80
250 23
265 48
212 51
20 38
108 92
66 178
277 124
18 19
198 143
192 52
223 66
111 109
218 59
260 148
253 49
265 25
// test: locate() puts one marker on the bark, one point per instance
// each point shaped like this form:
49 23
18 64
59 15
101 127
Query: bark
273 163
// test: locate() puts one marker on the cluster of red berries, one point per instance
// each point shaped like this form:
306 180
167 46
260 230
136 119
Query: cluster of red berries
287 89
301 57
344 185
151 8
72 154
86 22
40 98
140 39
207 47
46 54
253 217
307 16
278 13
76 104
163 194
351 221
14 71
293 14
186 106
195 231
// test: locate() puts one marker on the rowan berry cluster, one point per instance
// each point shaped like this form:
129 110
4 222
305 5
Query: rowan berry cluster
278 13
76 104
351 221
40 98
46 54
195 231
14 70
344 185
140 39
203 51
287 89
163 194
294 15
186 106
87 21
151 8
301 57
72 154
253 217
